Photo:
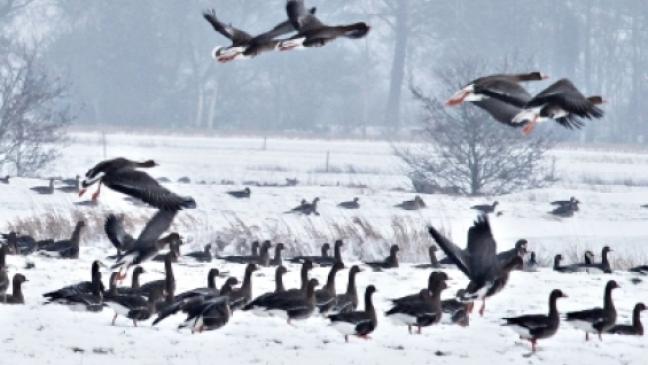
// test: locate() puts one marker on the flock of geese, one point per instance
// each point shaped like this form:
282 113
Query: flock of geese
209 307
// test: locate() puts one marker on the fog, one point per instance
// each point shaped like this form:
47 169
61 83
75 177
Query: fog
147 63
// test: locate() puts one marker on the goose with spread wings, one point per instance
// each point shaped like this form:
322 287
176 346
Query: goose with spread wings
479 262
122 175
312 32
245 45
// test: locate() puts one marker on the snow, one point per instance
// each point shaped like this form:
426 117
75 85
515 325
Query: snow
610 214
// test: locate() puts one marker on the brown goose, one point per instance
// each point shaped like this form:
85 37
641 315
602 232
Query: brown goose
68 249
596 320
44 190
485 87
311 32
534 327
243 44
390 262
16 297
122 175
636 328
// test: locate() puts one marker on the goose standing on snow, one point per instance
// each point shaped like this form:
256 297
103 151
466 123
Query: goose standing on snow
240 194
600 267
85 296
353 204
479 261
390 262
434 263
44 190
16 296
348 301
311 32
201 256
244 259
277 260
67 249
244 45
325 297
485 208
636 328
148 243
260 303
423 311
324 256
357 323
131 306
566 268
166 286
207 315
122 175
300 307
596 320
271 303
534 327
239 297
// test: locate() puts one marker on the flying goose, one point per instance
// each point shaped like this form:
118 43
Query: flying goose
479 261
122 175
311 32
244 45
508 84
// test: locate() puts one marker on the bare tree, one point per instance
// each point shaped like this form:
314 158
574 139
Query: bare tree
466 152
33 112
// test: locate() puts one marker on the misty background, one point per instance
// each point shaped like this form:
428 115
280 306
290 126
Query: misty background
147 63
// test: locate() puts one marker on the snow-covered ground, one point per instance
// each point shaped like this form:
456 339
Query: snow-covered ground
610 184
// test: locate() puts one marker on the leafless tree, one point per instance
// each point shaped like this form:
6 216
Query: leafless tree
33 112
465 151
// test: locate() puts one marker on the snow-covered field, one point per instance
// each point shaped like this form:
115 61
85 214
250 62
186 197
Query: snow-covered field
610 184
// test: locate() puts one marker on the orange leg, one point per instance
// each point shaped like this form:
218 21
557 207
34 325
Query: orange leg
95 196
483 308
527 129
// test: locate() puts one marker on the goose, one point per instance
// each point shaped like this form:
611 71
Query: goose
572 201
174 252
133 306
69 248
324 256
596 320
600 267
485 208
434 263
207 315
299 307
84 296
240 194
423 311
71 185
531 265
166 286
83 287
534 327
306 208
44 190
311 32
187 301
16 296
565 211
567 268
122 175
243 44
433 282
5 180
148 242
481 89
277 260
636 328
455 311
22 244
348 301
357 323
201 256
271 302
353 204
263 301
114 228
415 204
262 258
239 297
562 102
390 262
519 250
4 278
641 269
479 261
325 297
